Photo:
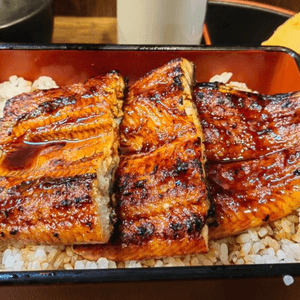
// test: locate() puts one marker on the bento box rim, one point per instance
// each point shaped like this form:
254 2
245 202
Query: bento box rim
141 274
109 47
150 274
17 46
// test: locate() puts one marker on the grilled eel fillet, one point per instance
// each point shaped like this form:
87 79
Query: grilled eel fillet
252 144
161 197
240 125
250 193
59 151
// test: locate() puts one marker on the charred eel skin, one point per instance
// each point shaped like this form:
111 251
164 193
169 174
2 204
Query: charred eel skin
252 146
161 206
241 125
61 132
58 152
50 211
161 196
250 193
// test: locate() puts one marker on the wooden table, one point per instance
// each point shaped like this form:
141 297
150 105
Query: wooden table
91 30
209 289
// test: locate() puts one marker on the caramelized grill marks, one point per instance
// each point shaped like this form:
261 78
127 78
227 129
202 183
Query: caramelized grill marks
57 146
52 158
50 210
247 194
154 113
161 197
240 125
181 223
94 97
261 134
156 182
148 125
71 129
62 117
64 131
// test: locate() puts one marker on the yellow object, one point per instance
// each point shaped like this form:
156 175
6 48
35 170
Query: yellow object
287 35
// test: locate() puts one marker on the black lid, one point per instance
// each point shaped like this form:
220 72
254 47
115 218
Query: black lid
14 11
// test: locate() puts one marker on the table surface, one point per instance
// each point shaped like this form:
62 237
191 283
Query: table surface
94 30
237 289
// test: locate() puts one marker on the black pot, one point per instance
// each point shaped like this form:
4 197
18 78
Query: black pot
242 23
26 21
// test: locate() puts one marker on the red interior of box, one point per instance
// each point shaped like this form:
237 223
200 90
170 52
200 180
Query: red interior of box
264 71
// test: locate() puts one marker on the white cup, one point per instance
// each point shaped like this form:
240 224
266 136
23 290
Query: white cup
160 21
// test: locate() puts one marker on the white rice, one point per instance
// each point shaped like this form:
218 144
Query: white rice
18 85
277 242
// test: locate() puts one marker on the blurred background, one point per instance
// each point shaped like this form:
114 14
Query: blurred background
228 22
107 8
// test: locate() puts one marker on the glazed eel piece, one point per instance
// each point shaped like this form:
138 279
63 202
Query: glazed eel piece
252 145
250 193
240 125
161 196
59 152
